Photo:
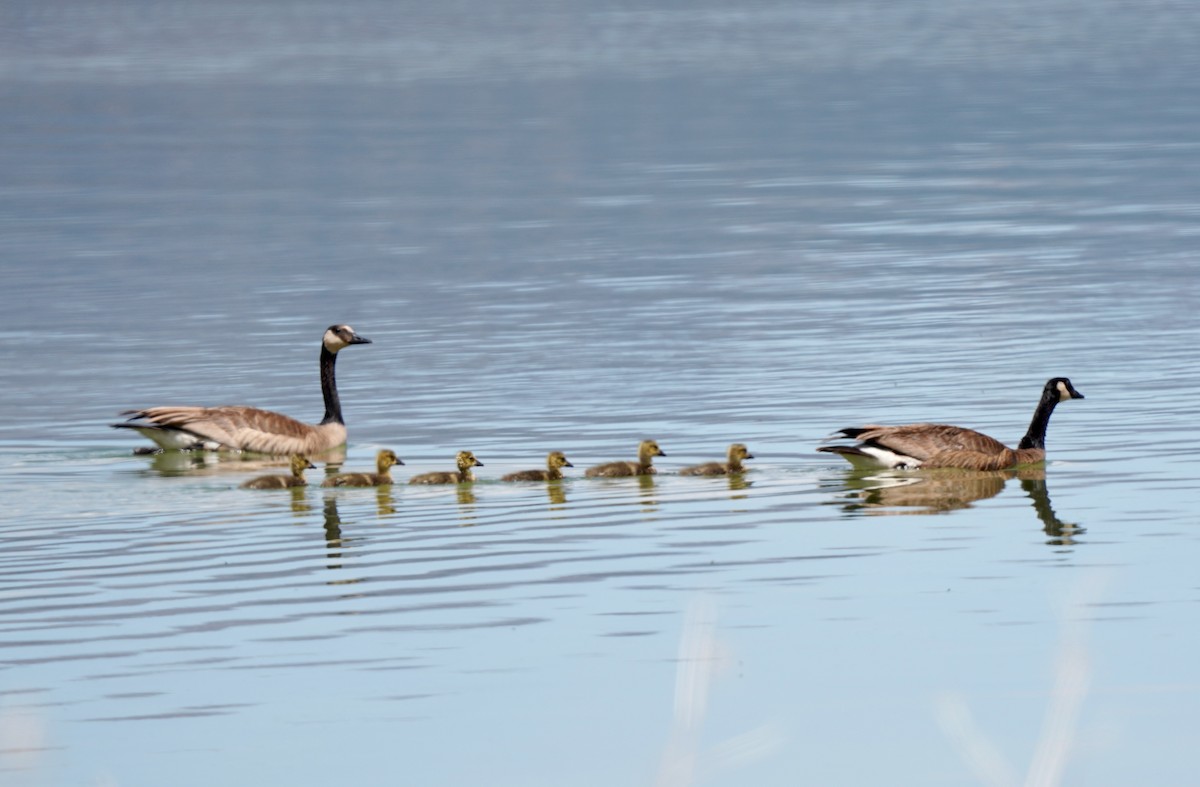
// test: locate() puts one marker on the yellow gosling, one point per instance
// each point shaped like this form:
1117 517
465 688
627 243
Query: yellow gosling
733 464
384 461
647 450
299 464
465 460
555 462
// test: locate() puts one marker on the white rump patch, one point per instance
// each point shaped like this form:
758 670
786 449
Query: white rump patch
873 457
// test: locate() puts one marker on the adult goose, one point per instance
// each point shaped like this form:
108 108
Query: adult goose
734 456
240 428
385 460
938 445
464 460
298 464
555 462
647 450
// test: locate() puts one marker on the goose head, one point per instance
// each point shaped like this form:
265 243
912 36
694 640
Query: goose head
340 336
1061 388
557 460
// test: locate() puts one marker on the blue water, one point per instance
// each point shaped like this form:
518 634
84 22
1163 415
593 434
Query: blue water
574 229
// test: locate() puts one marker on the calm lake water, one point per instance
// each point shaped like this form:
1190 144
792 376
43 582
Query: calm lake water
572 230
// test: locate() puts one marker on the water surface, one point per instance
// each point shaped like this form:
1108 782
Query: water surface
572 231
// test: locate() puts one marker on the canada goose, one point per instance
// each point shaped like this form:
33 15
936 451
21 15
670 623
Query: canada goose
384 461
938 445
737 452
465 461
299 464
555 462
647 450
240 428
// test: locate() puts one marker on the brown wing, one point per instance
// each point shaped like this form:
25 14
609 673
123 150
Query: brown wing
246 428
923 441
972 460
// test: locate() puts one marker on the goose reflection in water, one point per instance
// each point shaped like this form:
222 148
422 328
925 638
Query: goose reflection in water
943 491
215 463
333 531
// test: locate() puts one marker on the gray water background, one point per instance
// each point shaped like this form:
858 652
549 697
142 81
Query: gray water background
572 228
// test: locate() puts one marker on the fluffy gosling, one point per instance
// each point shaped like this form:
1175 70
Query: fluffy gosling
465 460
647 450
384 461
555 462
737 452
299 464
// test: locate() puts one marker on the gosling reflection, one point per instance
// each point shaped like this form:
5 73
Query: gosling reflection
557 494
466 504
300 504
738 483
648 493
385 504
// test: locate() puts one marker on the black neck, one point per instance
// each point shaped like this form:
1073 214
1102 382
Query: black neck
1035 436
333 408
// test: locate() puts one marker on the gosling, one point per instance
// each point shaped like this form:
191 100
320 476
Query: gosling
737 452
384 461
647 450
465 461
555 462
299 464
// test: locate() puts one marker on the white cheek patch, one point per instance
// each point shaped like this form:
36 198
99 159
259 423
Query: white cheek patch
332 342
1063 393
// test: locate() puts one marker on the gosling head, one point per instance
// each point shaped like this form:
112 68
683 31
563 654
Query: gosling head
466 460
557 460
300 463
738 452
647 449
340 336
385 459
1061 388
